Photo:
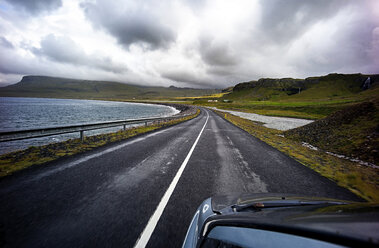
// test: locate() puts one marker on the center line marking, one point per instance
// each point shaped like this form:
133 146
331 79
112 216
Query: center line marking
153 221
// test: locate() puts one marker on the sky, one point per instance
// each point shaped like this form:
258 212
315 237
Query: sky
189 43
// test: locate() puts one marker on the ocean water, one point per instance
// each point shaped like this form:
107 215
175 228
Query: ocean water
30 113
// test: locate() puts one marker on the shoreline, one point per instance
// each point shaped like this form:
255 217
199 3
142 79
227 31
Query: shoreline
14 146
174 105
19 160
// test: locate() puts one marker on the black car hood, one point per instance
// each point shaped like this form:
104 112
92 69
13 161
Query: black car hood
360 220
220 202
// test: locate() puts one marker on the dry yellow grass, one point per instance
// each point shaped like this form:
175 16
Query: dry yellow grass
218 95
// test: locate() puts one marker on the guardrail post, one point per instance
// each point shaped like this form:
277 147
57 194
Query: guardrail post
124 127
82 135
146 124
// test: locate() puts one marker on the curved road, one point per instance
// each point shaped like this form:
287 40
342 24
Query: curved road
147 187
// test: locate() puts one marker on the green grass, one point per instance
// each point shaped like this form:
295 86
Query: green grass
305 109
318 98
352 131
295 109
361 180
15 161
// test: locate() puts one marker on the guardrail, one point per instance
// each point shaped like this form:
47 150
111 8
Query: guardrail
42 132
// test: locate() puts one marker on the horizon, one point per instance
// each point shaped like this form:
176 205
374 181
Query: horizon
195 44
183 87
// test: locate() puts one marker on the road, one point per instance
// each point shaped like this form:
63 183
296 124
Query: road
108 197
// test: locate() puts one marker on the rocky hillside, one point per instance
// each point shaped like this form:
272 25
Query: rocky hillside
352 131
323 87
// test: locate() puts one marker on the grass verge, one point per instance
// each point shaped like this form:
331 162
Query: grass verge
15 161
361 180
303 110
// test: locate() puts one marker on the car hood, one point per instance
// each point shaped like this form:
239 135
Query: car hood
220 202
351 219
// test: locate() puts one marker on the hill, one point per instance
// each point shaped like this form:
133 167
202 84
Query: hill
332 86
310 98
53 87
345 106
352 131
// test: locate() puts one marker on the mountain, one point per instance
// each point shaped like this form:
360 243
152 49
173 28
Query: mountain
53 87
327 87
309 98
345 108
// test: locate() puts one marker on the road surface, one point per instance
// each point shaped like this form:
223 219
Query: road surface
145 190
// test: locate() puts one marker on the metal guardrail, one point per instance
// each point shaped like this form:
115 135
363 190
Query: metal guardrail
42 132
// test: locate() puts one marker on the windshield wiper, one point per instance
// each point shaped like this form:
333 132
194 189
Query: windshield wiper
278 204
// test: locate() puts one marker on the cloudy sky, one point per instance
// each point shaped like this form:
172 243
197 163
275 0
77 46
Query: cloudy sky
194 43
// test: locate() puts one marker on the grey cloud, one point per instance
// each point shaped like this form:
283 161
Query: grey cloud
61 49
64 50
220 71
183 77
354 52
5 43
138 25
190 79
36 6
106 64
281 43
283 21
195 5
11 63
217 54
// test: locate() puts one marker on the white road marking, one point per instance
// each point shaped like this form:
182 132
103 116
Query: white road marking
153 221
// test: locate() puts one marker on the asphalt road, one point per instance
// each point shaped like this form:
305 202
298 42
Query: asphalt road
105 198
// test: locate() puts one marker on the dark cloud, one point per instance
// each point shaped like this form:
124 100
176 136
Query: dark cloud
184 77
5 43
353 54
218 54
139 24
64 50
60 49
220 71
283 21
36 6
192 42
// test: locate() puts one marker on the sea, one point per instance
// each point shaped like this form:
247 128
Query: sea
30 113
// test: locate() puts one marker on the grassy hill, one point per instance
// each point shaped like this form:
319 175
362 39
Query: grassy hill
347 123
352 131
310 98
42 86
345 107
322 88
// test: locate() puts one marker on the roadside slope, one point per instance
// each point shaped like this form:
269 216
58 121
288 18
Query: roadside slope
352 131
362 180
